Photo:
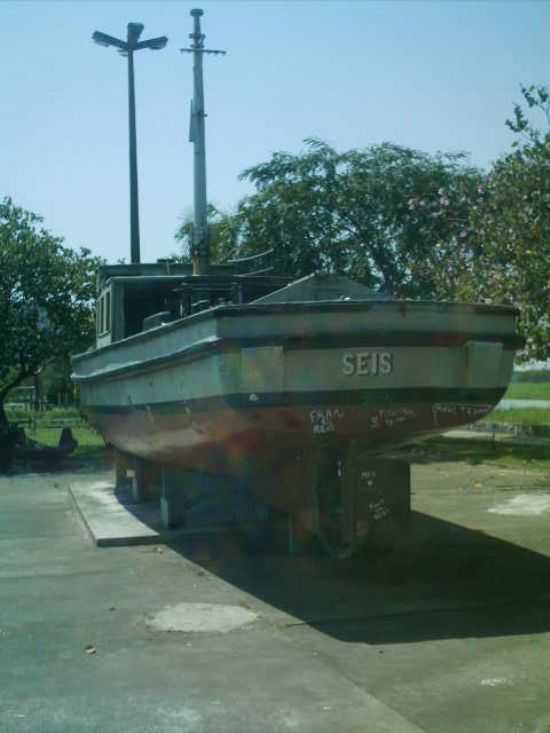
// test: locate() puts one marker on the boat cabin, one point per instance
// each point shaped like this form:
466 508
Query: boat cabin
138 297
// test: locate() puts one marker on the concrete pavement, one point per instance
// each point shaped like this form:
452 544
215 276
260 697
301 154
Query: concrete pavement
450 634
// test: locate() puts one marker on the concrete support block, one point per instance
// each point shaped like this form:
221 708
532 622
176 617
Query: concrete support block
122 480
197 499
383 501
388 480
145 486
174 500
172 512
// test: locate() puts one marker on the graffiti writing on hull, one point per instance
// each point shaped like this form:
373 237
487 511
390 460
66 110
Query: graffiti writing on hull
389 417
378 509
368 477
323 420
446 412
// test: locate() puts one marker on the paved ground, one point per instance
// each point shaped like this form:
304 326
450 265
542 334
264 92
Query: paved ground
451 634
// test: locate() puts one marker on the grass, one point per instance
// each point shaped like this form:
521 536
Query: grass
16 414
91 445
474 452
528 391
519 417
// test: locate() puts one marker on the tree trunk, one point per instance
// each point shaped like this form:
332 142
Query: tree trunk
3 416
37 397
4 392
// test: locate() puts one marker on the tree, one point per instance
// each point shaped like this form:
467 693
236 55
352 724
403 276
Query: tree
393 218
46 298
222 232
411 224
512 225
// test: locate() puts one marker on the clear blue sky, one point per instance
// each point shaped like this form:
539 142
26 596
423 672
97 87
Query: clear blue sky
430 75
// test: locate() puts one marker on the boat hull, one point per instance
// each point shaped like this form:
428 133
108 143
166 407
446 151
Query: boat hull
255 392
174 433
246 441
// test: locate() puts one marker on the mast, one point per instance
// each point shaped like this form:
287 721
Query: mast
200 251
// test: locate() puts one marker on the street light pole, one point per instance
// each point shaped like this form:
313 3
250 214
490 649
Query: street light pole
132 148
127 48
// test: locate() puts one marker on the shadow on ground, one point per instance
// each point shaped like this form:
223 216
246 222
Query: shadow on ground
441 581
437 580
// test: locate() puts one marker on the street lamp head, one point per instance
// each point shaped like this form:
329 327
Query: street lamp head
134 32
102 39
154 44
132 44
196 12
98 38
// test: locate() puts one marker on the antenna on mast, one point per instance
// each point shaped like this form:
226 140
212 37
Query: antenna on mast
200 250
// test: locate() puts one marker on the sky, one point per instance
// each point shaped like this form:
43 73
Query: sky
435 76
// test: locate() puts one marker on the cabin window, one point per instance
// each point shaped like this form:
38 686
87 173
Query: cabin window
100 319
103 313
108 310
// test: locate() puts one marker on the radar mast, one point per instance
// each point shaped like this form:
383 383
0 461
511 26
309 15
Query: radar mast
200 250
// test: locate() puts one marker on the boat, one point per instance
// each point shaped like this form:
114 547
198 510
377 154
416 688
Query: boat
210 370
276 388
221 387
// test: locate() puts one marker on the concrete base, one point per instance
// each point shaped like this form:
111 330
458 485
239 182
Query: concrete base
137 476
131 512
113 518
193 498
175 498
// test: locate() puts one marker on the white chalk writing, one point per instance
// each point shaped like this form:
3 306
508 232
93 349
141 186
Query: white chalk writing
389 417
461 411
378 509
323 419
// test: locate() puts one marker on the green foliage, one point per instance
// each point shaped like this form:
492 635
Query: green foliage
222 233
407 223
55 382
535 97
512 225
393 218
46 297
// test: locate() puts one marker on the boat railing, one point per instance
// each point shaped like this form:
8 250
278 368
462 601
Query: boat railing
253 264
195 298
